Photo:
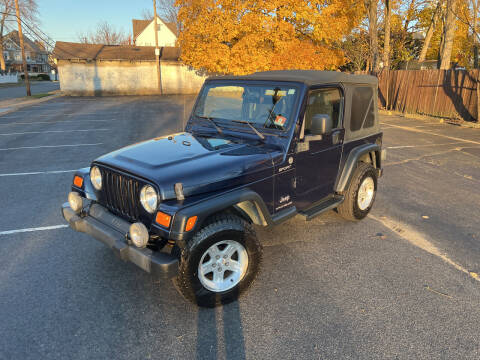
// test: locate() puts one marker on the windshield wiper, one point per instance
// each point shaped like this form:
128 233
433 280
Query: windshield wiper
260 135
210 119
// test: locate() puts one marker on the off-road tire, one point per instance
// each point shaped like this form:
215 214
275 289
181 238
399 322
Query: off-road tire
349 208
218 228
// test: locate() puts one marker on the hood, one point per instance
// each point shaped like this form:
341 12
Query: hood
201 164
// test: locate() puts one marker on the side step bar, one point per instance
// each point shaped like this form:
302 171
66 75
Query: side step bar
325 205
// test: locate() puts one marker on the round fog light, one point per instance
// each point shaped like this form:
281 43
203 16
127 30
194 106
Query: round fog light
75 201
139 235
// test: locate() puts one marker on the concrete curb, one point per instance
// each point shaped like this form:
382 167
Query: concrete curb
432 118
7 109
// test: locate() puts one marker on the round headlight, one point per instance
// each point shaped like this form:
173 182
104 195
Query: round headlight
96 177
75 201
139 234
149 198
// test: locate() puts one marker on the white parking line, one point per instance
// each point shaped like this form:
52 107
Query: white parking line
48 146
9 232
407 128
51 131
51 122
417 146
38 173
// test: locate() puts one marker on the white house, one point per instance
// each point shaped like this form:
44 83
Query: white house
144 33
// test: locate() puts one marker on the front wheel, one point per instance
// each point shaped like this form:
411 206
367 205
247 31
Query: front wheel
360 194
219 262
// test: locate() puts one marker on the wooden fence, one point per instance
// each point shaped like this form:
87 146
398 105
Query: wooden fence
445 93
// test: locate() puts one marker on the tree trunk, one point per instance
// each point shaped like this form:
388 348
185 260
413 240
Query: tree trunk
448 35
386 44
475 34
478 96
372 6
430 31
3 66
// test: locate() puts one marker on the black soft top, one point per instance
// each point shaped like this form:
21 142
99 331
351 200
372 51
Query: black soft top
308 77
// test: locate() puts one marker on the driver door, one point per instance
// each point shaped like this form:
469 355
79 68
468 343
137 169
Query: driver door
318 156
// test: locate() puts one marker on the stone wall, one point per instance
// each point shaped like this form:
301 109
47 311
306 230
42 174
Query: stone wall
87 78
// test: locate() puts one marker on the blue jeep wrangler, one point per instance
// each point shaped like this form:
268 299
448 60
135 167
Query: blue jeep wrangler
257 150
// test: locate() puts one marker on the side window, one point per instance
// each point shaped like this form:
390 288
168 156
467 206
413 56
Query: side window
362 108
324 101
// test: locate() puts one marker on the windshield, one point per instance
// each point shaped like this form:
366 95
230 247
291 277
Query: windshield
264 106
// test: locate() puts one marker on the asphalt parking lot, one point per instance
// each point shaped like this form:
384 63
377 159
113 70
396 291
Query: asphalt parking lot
403 283
17 91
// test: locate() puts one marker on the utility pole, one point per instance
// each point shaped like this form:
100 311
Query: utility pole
22 46
157 49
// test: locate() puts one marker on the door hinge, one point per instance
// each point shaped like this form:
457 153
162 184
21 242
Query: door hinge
336 137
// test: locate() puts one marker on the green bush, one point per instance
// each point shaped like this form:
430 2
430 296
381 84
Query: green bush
43 77
39 77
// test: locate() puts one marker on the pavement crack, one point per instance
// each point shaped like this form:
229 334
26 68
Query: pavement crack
426 287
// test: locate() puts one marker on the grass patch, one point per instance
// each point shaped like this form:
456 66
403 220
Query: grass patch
39 96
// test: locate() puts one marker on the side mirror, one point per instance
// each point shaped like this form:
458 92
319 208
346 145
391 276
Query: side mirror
321 124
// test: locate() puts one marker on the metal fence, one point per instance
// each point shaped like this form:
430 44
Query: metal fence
446 93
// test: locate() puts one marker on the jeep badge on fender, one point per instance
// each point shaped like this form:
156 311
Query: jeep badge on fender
257 149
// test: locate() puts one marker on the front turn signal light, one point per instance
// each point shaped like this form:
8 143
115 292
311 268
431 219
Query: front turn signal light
78 181
190 223
163 219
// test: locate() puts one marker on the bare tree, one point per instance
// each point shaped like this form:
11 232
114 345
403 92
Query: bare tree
105 34
28 13
431 29
147 14
166 9
356 49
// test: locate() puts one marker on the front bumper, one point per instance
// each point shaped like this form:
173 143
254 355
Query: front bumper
112 231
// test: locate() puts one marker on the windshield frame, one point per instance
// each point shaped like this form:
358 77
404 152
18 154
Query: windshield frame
230 125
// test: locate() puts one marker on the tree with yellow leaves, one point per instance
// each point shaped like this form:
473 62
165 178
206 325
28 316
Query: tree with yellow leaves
244 36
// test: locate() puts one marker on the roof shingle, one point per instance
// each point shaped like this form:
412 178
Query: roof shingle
76 51
140 25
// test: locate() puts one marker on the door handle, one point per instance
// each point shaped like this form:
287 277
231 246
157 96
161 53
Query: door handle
336 137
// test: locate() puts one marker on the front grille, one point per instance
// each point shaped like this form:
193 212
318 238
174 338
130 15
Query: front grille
121 194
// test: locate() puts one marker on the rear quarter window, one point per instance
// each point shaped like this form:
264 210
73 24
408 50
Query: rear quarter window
363 114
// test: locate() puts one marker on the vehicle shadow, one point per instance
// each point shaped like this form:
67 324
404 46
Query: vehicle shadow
209 338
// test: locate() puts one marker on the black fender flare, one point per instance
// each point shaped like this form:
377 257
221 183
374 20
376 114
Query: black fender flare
349 167
214 205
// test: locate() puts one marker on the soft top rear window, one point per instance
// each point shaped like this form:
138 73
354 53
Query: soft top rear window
363 111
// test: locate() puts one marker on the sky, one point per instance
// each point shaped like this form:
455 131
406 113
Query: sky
63 20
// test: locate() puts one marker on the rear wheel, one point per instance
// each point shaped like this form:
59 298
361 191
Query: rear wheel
360 194
220 261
